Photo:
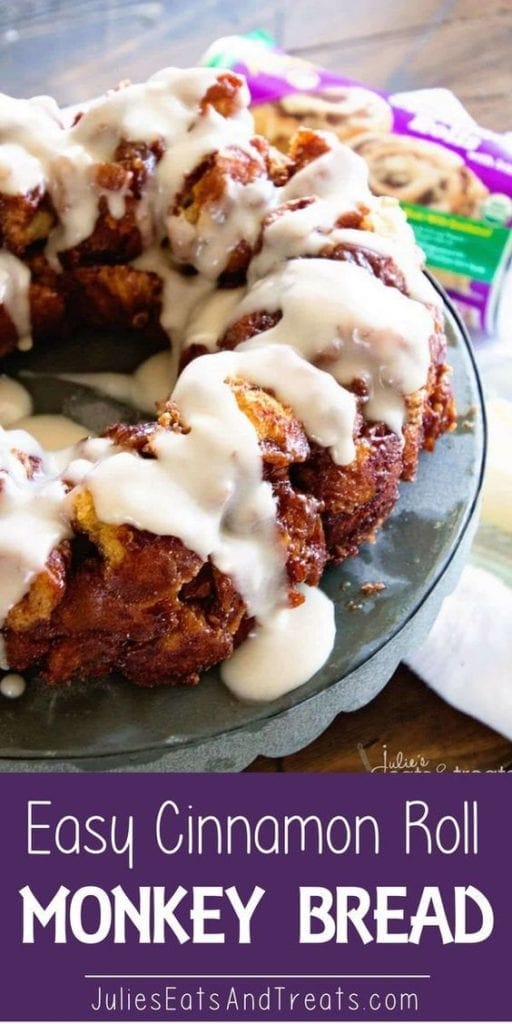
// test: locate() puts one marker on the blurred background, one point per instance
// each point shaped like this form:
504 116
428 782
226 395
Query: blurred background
77 49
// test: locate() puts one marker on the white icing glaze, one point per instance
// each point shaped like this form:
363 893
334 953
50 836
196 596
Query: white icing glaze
308 231
284 652
40 151
294 233
12 685
51 430
29 130
387 218
19 171
326 410
408 259
208 322
180 295
340 315
210 491
25 344
14 285
31 515
339 175
78 460
218 231
15 401
165 108
151 382
337 183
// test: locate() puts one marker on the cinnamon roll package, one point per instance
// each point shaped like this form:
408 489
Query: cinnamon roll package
452 177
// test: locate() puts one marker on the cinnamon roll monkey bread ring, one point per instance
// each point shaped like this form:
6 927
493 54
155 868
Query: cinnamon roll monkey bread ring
312 355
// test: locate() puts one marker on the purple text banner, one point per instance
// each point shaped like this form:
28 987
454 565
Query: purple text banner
256 898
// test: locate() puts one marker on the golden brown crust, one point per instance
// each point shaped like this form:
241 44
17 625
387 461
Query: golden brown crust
247 327
358 497
430 411
46 592
301 532
25 220
375 263
204 195
281 437
224 94
125 607
102 296
97 286
114 297
306 146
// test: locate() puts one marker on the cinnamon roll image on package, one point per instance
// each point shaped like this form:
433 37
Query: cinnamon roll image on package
200 536
452 177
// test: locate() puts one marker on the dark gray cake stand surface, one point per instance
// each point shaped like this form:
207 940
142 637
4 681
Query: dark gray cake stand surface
419 554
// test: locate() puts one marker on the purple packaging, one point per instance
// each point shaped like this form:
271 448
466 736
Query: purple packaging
452 177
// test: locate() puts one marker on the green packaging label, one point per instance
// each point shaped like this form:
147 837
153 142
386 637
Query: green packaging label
458 244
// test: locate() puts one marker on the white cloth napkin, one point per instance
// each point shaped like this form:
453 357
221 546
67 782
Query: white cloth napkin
467 658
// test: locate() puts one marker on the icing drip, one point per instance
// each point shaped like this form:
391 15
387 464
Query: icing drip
51 430
31 513
14 295
150 383
12 686
213 314
334 184
30 134
167 108
340 316
339 175
284 652
407 258
42 151
180 296
15 401
307 231
237 218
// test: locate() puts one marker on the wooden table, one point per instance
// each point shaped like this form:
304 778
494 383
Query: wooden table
74 50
